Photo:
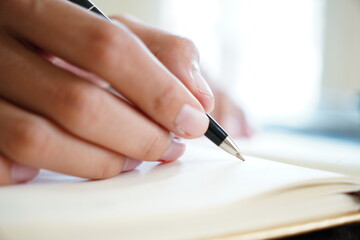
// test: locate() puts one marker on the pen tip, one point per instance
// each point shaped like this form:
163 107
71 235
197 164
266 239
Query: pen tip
238 155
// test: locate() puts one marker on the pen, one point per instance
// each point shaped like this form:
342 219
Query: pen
215 132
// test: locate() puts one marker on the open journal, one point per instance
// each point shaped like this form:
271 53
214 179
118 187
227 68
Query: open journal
207 194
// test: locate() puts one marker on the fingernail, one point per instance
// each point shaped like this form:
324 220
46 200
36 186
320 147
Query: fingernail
203 86
131 164
205 95
191 122
21 173
176 150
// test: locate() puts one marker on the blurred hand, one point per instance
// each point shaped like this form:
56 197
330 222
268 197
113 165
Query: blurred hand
230 115
51 118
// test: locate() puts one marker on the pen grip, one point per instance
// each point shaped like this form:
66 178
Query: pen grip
215 133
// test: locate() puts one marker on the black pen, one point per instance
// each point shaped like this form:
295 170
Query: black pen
215 132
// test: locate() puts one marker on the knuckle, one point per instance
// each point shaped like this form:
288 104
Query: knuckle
106 42
165 100
108 169
152 149
184 44
29 140
184 49
79 104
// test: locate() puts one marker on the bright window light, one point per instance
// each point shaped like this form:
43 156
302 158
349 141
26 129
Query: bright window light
269 50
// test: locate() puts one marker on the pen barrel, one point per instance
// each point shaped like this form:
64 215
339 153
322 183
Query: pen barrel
84 3
215 133
90 7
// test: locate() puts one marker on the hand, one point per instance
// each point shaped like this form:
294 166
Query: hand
170 50
179 55
230 115
51 118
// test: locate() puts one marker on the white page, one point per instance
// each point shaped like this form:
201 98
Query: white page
204 180
304 150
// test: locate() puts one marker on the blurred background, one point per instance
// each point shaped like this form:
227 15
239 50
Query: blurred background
293 65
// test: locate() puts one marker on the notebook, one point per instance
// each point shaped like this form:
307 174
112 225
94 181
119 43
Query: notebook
207 194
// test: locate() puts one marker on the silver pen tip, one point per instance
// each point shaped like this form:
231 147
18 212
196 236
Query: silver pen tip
238 155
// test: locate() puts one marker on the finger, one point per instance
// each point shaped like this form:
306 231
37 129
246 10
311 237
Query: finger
178 54
177 148
80 107
33 141
12 172
225 116
246 129
79 72
231 117
114 54
232 124
234 119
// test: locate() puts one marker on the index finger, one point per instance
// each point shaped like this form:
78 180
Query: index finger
113 53
178 54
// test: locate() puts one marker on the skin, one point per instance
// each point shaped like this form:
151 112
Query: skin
230 116
56 113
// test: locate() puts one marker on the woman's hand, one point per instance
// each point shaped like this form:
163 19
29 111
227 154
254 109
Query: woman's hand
180 56
50 117
230 115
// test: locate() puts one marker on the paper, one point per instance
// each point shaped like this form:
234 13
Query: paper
206 193
308 151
